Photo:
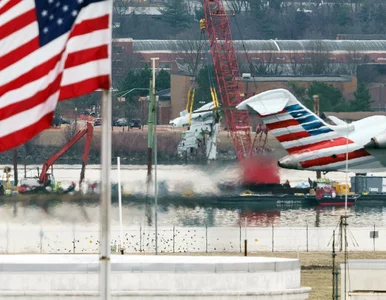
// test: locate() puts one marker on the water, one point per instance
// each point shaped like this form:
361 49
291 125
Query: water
201 180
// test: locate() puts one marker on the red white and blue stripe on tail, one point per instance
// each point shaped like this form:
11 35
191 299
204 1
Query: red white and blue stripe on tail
302 133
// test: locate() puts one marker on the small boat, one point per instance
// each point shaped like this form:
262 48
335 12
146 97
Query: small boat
329 193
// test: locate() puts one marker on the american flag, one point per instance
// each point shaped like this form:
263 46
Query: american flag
50 50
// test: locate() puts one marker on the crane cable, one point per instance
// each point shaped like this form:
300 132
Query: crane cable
212 87
192 89
252 67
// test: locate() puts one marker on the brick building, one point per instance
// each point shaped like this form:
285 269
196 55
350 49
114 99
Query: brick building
288 54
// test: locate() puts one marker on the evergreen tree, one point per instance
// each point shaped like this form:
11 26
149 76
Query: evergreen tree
176 14
330 98
298 90
202 95
136 79
162 80
362 101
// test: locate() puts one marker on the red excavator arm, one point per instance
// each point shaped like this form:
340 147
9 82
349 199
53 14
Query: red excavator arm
89 131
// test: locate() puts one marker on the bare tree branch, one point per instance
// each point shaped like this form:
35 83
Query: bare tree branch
189 56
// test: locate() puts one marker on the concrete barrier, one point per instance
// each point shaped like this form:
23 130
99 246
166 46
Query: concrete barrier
16 238
365 280
151 277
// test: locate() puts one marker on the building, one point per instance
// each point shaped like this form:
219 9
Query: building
164 107
288 54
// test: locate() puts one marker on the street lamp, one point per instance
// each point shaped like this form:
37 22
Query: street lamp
126 92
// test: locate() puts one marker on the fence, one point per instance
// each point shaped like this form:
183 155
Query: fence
136 239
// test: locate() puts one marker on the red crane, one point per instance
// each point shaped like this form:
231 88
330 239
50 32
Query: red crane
43 178
228 75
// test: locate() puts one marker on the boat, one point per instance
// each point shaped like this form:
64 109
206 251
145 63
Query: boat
329 193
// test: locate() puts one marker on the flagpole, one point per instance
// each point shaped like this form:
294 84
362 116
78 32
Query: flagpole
121 249
155 157
105 197
105 200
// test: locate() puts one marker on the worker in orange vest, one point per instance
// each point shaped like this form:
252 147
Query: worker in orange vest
202 25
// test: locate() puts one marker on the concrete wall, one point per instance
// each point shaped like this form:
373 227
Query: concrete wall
179 86
365 280
85 239
151 277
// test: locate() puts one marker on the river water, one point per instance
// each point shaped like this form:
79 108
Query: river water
198 179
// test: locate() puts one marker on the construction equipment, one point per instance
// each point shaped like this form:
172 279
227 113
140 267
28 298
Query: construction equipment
190 102
260 140
228 75
44 177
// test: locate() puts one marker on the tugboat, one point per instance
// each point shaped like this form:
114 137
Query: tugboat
328 193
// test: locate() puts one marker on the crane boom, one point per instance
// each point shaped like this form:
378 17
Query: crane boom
87 130
228 75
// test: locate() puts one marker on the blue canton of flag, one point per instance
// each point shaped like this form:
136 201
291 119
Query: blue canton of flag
50 50
56 17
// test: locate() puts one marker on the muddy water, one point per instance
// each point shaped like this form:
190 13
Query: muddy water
201 180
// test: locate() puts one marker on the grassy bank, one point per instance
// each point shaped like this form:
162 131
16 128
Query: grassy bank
130 145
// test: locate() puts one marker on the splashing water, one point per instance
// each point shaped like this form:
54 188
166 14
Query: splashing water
260 169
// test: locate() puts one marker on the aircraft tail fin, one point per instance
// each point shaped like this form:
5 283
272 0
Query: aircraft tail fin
294 125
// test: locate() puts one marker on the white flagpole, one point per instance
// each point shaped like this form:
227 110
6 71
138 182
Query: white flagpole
155 159
120 203
105 201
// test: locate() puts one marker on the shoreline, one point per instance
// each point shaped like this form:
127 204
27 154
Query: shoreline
131 146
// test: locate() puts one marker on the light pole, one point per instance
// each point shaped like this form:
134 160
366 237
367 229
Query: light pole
122 94
126 92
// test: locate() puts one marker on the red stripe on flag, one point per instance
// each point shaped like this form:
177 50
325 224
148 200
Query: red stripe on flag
90 25
319 145
292 136
15 55
84 87
322 161
17 23
23 135
87 55
9 5
39 98
282 124
31 75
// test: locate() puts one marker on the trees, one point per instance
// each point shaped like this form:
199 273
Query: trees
205 76
238 6
331 98
362 100
176 14
261 19
298 90
189 56
162 80
137 80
